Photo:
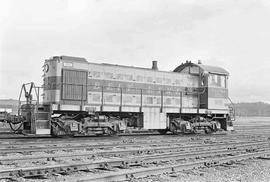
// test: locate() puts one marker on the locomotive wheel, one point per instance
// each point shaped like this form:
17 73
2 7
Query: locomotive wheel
116 129
162 131
111 132
207 131
184 129
173 129
214 127
56 129
68 131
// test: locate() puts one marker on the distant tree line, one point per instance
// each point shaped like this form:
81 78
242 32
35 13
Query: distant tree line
252 109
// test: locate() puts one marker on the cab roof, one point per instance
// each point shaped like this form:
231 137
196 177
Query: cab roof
207 68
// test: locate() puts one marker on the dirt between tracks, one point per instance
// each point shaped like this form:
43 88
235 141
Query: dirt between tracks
254 170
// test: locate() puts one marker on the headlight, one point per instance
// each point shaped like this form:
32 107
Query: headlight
46 68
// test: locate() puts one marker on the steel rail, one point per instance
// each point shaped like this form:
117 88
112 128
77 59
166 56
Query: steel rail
105 139
102 142
82 146
5 145
45 139
89 136
17 136
172 139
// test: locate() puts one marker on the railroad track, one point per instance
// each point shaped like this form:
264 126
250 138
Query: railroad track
103 139
130 152
103 146
116 141
144 172
10 135
133 161
99 139
34 140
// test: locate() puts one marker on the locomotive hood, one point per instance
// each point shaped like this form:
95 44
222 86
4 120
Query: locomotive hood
204 68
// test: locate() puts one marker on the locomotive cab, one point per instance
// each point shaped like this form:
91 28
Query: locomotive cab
213 100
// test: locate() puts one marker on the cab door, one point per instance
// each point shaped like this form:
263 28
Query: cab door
204 88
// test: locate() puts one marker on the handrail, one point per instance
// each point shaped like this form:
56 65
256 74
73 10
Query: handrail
233 108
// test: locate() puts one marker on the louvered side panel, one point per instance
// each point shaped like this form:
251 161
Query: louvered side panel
74 85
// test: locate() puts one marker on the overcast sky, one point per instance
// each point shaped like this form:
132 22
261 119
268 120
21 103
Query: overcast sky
232 34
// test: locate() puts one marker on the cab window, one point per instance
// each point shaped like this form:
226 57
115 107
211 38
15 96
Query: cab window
215 80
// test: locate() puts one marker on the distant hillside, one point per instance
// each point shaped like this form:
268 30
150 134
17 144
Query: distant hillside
8 102
9 105
252 109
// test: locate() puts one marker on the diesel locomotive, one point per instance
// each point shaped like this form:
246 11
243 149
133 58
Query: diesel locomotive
81 98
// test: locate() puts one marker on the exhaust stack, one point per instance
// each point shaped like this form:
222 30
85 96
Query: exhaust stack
154 65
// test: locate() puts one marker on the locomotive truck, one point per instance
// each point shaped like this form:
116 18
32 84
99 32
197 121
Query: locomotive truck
81 98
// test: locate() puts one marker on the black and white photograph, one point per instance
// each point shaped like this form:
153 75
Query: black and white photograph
134 90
